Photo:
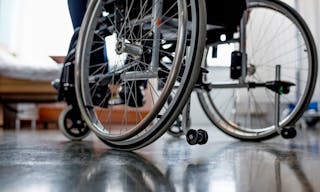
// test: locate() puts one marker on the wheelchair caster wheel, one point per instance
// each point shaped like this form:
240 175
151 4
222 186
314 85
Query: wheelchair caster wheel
71 124
192 137
197 137
288 133
202 137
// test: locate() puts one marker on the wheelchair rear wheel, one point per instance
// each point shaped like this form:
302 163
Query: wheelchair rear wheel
275 35
124 103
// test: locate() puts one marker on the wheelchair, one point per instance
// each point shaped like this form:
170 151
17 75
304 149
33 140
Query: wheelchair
161 51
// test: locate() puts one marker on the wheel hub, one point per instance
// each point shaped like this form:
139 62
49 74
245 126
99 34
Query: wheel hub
134 50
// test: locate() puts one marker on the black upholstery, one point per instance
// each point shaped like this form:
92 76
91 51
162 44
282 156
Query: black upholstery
225 13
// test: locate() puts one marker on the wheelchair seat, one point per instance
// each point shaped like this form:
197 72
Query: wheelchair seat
223 17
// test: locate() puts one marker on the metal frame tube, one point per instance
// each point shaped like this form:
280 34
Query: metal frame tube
156 15
277 101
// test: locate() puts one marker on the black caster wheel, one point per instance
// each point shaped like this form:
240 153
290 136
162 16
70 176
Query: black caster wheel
71 124
192 137
202 137
288 133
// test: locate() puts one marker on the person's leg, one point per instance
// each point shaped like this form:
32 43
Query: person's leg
77 10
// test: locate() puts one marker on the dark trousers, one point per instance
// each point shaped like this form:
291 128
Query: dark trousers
77 10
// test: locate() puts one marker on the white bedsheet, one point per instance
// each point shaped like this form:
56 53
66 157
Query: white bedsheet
46 70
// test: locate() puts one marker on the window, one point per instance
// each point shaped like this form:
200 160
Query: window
35 28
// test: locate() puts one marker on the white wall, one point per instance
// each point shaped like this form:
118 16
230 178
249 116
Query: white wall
309 9
9 14
35 28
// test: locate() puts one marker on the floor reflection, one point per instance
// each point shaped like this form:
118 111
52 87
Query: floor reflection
242 166
123 171
46 162
247 167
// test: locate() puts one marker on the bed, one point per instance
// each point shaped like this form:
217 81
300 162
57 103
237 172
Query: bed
25 82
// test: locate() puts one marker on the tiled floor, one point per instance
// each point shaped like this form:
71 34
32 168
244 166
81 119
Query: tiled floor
46 161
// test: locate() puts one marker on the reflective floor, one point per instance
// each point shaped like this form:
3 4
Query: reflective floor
47 161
